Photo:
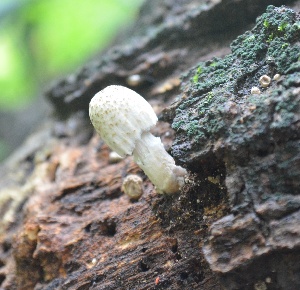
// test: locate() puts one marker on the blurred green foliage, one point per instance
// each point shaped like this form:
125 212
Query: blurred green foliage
44 39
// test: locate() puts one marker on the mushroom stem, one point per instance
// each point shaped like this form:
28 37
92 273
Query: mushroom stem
150 154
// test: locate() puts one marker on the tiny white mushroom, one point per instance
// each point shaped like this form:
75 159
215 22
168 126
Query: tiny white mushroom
264 81
133 186
276 77
114 157
255 91
123 119
268 280
134 80
94 261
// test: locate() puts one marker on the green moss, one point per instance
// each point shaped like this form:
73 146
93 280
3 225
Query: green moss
270 38
197 74
204 105
210 74
199 70
195 78
193 128
282 26
178 125
271 47
266 23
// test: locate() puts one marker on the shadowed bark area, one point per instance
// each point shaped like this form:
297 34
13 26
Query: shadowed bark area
65 223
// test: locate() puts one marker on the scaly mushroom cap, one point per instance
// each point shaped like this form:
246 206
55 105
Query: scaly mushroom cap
120 116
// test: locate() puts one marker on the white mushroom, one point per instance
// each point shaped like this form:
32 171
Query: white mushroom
123 119
114 157
255 91
264 81
134 80
133 186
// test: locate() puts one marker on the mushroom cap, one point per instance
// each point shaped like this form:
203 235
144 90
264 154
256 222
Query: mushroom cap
120 116
133 186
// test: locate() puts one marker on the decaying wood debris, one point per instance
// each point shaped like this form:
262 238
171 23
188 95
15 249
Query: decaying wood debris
65 222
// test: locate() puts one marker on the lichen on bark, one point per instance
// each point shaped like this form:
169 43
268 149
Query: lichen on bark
256 137
218 92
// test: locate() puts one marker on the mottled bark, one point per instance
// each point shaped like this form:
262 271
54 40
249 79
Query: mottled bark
65 223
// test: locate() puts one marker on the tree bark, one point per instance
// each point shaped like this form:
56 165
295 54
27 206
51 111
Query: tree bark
65 223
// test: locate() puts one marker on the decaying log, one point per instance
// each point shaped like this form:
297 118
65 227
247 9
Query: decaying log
65 223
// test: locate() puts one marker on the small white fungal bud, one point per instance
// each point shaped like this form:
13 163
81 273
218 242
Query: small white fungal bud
264 81
123 119
94 261
133 186
268 280
134 80
276 77
114 157
255 91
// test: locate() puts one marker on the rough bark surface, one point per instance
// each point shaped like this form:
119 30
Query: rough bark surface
256 137
65 223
